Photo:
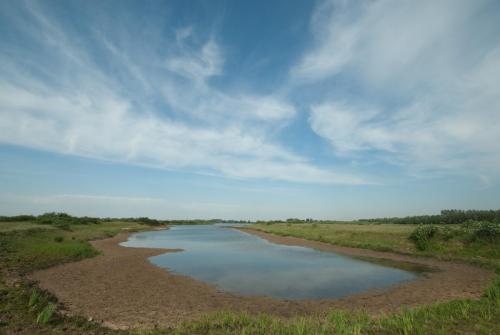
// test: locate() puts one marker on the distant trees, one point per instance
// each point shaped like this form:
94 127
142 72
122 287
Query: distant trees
447 216
64 220
17 218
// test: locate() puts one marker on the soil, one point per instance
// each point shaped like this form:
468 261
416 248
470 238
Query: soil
124 290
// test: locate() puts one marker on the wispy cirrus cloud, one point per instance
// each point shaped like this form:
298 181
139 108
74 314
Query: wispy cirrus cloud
91 92
198 65
427 75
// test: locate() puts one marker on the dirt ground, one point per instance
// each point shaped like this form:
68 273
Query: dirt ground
123 289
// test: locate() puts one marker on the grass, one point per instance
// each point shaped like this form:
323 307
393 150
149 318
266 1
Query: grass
25 309
456 317
382 237
21 225
27 249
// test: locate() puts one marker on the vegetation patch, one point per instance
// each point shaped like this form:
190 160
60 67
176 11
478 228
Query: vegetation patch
422 236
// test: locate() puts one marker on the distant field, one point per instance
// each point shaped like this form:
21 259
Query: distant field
383 237
21 225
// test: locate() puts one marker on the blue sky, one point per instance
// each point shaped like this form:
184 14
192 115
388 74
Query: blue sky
249 109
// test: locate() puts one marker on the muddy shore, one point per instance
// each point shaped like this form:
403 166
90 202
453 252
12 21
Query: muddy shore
123 289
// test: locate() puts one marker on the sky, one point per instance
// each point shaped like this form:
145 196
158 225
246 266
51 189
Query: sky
326 109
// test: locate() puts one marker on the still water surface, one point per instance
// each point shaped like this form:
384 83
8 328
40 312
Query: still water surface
246 264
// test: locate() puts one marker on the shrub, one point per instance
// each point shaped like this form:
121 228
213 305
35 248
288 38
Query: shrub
59 239
448 233
486 232
422 235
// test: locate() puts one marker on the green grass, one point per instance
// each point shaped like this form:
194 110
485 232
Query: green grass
27 246
456 317
382 237
22 225
29 249
25 309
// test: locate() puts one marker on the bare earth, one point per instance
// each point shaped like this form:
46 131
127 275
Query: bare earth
123 289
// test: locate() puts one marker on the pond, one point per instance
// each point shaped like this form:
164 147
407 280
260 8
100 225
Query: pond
242 263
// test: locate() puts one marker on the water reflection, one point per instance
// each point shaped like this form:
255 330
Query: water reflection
242 263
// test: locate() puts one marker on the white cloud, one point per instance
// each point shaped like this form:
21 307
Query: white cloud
104 126
435 70
195 96
198 66
78 106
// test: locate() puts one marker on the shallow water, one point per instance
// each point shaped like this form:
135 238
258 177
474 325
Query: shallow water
246 264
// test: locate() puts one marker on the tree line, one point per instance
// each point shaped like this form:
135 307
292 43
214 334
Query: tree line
447 216
54 218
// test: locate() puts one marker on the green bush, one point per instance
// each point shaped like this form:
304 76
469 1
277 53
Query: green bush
486 232
448 233
59 239
422 235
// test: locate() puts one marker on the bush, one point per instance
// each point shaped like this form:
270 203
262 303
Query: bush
448 233
53 218
63 219
422 235
486 232
59 239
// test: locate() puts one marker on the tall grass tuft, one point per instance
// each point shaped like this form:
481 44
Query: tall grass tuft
34 299
46 314
493 292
